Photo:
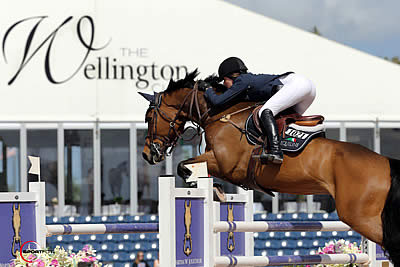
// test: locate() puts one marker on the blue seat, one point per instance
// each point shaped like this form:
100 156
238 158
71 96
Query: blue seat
272 216
291 244
84 219
105 256
319 217
263 235
290 217
124 257
108 246
84 238
275 244
152 236
97 219
259 244
333 216
51 239
66 220
49 220
303 216
260 217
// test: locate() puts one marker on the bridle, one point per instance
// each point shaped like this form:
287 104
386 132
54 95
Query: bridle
170 140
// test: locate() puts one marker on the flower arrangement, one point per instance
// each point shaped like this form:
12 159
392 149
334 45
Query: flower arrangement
58 258
339 247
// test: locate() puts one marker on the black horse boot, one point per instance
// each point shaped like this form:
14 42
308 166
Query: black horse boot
272 140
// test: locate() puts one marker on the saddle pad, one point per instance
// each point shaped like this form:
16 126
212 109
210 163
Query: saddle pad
293 139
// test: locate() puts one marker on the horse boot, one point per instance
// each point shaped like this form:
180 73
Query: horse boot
271 147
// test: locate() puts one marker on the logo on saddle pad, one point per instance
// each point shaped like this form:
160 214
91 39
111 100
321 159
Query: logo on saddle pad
297 134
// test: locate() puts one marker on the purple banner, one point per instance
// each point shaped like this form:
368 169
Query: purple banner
232 243
380 255
189 219
17 226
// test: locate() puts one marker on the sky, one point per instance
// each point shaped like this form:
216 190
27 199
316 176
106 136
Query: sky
367 25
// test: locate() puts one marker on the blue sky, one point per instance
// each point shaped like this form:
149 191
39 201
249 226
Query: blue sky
368 25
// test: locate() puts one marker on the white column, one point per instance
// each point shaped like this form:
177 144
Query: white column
275 203
97 170
166 211
40 209
23 158
133 168
60 170
209 236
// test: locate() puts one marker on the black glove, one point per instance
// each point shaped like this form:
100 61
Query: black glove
203 85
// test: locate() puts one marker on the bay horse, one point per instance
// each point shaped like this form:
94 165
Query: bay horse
364 184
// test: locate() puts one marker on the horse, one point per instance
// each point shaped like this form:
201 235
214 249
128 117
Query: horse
364 184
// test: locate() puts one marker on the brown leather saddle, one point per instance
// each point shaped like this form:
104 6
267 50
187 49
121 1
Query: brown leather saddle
287 117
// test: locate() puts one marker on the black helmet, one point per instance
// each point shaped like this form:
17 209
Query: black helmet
229 66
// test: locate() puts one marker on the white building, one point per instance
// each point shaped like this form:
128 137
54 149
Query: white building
70 73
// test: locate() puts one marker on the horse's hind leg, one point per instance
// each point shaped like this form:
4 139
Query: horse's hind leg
362 219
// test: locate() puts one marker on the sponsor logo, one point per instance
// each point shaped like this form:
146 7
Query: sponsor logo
231 237
16 223
187 242
86 58
289 144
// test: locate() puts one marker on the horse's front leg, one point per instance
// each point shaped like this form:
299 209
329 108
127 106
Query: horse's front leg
208 157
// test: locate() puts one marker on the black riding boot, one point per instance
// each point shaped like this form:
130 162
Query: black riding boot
272 140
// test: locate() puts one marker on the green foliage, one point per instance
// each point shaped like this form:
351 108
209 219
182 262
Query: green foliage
316 31
393 59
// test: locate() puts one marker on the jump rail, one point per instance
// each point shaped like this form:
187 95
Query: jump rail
115 228
289 260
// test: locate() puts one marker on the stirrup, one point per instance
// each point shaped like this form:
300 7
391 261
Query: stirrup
269 157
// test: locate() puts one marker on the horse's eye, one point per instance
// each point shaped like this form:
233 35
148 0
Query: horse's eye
147 119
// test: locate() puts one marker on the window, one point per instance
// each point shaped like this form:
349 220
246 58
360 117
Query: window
78 166
115 172
390 142
43 144
361 136
9 161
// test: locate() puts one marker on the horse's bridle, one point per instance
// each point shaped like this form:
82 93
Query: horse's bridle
170 140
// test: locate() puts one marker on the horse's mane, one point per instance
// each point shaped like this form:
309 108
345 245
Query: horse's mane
189 81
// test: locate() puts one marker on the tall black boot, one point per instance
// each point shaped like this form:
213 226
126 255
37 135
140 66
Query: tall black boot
272 139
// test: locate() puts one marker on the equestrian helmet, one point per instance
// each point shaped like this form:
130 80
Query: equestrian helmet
231 65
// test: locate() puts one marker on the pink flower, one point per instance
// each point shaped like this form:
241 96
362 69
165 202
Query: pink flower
86 248
54 262
85 260
40 263
31 257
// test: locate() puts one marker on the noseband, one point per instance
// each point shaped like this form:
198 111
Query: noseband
170 140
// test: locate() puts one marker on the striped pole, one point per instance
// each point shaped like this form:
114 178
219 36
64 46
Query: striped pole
360 258
280 226
115 228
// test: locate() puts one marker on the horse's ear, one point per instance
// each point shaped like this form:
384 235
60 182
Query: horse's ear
148 97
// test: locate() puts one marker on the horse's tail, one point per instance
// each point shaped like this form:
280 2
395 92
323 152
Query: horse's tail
391 215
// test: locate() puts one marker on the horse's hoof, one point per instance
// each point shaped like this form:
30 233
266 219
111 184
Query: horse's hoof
218 193
183 171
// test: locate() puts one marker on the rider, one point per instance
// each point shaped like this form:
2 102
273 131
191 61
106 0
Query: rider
280 91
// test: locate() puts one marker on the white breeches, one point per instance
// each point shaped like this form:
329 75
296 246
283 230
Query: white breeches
297 91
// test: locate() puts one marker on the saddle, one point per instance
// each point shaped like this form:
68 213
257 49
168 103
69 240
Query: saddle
296 132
